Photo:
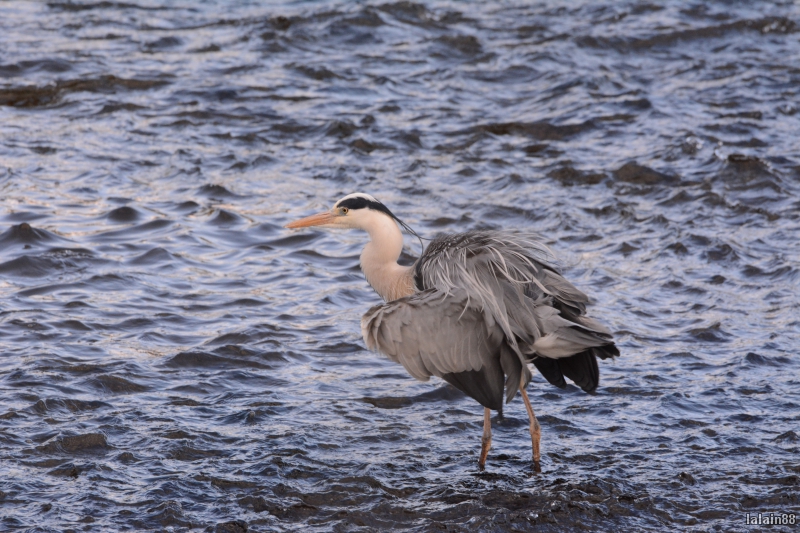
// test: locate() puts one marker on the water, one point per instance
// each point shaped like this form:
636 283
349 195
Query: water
173 359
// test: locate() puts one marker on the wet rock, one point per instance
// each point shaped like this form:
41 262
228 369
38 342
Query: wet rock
340 128
671 38
570 176
533 149
117 385
215 191
468 172
637 174
33 96
185 401
177 434
744 160
640 103
184 452
678 248
258 503
124 214
153 257
626 248
69 471
367 17
24 233
169 513
388 402
188 206
712 333
163 43
88 443
79 443
686 478
467 45
789 436
207 49
409 12
282 23
225 218
446 393
746 172
223 95
543 131
235 526
30 267
113 108
317 73
227 483
721 252
35 65
68 404
44 150
363 146
196 359
755 359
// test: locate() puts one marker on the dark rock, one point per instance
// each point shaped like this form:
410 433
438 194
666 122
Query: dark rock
124 214
637 174
235 526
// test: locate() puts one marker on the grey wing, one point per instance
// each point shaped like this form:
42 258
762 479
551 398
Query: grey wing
513 278
432 333
515 281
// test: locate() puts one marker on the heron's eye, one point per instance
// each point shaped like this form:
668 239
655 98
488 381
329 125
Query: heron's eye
345 210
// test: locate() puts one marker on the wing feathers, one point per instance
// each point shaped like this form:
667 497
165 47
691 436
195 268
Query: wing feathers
493 303
485 385
582 369
430 334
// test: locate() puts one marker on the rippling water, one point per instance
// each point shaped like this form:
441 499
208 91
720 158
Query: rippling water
173 359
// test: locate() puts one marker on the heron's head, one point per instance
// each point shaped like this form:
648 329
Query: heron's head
357 210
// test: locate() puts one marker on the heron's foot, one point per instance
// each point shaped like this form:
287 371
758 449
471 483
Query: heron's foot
537 467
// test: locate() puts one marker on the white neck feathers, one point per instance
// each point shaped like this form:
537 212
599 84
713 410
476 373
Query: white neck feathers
379 258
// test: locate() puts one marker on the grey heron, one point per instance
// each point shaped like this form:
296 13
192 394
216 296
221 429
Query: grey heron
474 310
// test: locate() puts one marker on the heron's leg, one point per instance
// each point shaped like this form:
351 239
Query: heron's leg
536 431
486 441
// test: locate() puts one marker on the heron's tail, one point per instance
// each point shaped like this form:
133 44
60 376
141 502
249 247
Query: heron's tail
580 368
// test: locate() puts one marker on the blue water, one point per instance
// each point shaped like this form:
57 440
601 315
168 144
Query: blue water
173 359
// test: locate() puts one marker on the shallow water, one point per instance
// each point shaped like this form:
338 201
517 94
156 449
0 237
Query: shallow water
173 359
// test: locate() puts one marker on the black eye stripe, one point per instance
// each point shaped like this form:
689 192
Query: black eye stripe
359 202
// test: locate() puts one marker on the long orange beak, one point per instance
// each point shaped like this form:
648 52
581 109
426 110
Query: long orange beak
319 219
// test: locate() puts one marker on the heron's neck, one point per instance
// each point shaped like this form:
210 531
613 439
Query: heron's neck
379 260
